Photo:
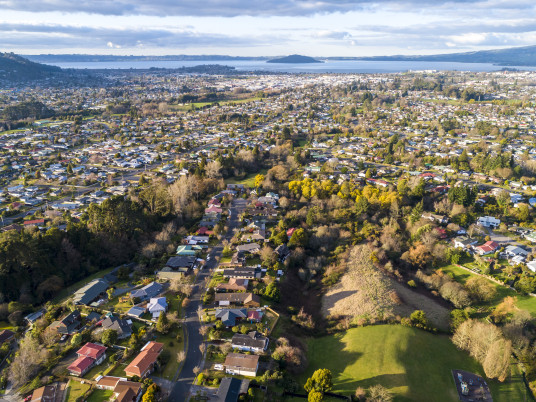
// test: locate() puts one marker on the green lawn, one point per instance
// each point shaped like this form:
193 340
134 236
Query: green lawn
248 180
5 325
415 365
100 395
523 301
75 390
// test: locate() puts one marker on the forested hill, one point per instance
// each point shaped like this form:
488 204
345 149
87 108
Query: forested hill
517 56
14 68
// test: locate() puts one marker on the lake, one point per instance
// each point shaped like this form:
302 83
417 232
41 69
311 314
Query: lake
330 66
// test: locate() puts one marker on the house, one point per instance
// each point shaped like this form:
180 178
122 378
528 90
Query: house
230 390
145 362
532 266
136 311
254 316
6 336
147 292
90 292
531 237
487 248
464 242
515 251
48 393
156 306
181 264
68 325
441 219
242 273
489 222
188 250
31 318
234 285
123 390
251 342
122 327
245 299
251 248
240 364
89 355
229 316
282 252
197 240
36 222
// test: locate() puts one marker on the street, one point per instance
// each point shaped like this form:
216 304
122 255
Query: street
194 358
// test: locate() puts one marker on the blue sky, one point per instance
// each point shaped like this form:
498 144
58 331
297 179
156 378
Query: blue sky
264 27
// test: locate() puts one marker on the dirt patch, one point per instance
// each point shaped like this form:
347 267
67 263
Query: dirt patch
437 314
366 290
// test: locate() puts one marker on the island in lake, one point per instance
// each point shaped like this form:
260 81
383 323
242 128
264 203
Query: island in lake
294 59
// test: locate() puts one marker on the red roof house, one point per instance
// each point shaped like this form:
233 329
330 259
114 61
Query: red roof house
89 355
290 232
144 363
487 248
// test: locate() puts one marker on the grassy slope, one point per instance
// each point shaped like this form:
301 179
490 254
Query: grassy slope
413 364
523 302
249 180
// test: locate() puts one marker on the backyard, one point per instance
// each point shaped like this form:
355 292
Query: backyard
411 363
75 390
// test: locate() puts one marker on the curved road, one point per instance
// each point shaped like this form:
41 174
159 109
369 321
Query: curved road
181 388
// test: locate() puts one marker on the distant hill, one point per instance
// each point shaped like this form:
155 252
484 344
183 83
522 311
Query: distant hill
14 68
294 59
516 56
85 58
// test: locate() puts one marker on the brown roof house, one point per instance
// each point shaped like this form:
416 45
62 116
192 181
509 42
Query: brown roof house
234 285
245 299
123 390
144 363
237 363
48 393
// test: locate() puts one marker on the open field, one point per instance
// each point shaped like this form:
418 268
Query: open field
248 180
197 105
415 365
524 302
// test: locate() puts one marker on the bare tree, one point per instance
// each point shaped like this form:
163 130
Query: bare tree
203 348
196 370
203 330
27 361
181 356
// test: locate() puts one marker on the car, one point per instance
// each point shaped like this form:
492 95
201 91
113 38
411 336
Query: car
63 338
208 258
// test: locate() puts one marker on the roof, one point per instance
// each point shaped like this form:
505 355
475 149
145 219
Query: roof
136 311
248 362
121 326
151 290
145 359
489 246
91 350
229 390
253 340
108 381
237 297
127 390
90 292
81 364
248 247
157 303
6 335
44 394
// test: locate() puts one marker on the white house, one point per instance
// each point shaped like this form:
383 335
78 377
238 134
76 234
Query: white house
156 306
489 222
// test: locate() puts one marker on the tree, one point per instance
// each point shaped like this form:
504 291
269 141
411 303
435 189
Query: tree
418 318
378 393
272 292
109 337
259 179
110 293
315 396
298 238
76 339
27 360
181 356
320 381
480 289
162 325
457 317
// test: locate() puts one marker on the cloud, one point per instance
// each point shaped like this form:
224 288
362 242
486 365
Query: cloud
58 36
220 8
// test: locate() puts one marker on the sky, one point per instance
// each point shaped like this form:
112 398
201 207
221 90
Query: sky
264 27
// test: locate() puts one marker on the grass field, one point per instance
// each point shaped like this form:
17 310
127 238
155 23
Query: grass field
523 301
100 395
248 180
75 390
415 365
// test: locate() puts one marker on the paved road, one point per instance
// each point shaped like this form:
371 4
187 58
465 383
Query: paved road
193 355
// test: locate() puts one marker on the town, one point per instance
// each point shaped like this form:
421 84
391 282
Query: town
260 237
